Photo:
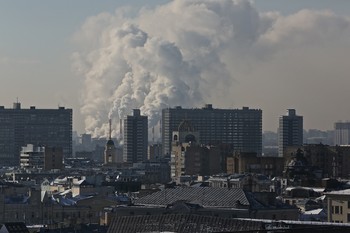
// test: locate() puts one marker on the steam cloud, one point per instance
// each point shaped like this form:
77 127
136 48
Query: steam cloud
186 52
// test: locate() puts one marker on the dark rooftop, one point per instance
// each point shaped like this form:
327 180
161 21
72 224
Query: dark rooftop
205 196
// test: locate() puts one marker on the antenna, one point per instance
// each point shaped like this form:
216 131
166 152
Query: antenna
110 128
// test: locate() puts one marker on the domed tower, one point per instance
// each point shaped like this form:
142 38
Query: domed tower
186 133
110 150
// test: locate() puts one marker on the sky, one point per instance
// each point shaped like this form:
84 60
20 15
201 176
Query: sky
104 58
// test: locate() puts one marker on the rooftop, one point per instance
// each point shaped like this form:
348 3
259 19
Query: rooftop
205 196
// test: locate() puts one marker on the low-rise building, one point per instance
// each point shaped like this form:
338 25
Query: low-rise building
338 203
41 157
242 162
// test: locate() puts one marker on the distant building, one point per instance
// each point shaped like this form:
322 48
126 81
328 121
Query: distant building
155 151
19 127
251 163
86 142
189 157
317 161
290 131
110 155
41 157
53 158
241 128
135 138
342 133
248 182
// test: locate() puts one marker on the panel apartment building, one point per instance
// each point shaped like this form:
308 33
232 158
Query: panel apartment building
290 131
19 127
242 128
135 138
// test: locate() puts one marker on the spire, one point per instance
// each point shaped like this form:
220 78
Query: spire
110 128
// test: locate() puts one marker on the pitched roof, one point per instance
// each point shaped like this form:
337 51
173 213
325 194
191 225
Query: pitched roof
205 196
15 227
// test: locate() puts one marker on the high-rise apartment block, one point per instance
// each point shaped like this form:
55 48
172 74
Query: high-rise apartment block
241 128
342 133
135 138
290 131
19 127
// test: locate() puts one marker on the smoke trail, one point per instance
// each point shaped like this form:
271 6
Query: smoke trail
184 53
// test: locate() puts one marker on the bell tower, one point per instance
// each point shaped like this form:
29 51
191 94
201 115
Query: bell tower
110 150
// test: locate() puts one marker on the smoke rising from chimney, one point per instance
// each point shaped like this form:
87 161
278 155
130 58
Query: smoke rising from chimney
183 53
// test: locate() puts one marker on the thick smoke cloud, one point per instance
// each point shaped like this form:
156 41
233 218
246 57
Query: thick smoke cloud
190 52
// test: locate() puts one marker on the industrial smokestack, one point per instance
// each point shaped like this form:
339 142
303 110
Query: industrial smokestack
160 128
146 63
110 129
121 128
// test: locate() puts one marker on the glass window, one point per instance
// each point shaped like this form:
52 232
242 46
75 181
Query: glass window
337 210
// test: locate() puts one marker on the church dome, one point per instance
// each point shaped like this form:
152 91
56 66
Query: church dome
110 142
186 126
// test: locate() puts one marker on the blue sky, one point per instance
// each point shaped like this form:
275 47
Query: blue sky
36 46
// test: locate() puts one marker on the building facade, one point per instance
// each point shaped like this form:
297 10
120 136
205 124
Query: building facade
251 163
154 151
290 131
338 203
41 157
53 158
322 161
190 157
19 127
241 128
135 138
342 133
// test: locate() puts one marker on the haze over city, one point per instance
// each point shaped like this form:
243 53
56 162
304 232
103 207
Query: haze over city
105 58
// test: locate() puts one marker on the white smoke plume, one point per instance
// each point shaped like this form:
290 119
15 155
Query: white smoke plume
187 52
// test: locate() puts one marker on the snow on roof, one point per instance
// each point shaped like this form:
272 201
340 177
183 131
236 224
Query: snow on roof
340 192
65 192
314 212
315 189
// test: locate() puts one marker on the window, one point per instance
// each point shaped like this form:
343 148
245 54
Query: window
336 210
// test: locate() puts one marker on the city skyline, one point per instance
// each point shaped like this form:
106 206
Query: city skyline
299 61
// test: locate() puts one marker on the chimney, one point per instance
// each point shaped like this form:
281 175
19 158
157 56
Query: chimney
121 128
110 128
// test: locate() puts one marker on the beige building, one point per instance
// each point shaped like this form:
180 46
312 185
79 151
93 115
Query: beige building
251 163
338 203
189 157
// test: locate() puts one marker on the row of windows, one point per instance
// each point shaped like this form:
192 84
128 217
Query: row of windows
337 209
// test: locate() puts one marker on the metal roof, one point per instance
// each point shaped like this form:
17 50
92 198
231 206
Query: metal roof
205 196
